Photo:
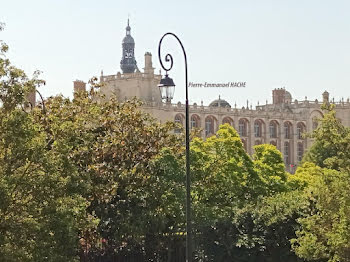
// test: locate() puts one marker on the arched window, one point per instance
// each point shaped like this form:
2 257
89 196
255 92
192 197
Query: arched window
300 130
257 142
227 120
273 129
209 125
300 151
258 126
273 143
242 127
195 121
288 130
315 116
179 120
286 153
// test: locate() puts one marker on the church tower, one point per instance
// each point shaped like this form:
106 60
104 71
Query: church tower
128 62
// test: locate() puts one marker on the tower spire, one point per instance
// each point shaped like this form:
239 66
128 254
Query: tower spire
128 63
128 28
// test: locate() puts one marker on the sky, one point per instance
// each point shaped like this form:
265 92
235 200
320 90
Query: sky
303 46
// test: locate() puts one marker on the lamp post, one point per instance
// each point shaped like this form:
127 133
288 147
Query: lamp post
166 87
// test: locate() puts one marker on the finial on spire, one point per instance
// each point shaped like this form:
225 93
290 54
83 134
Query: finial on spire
128 28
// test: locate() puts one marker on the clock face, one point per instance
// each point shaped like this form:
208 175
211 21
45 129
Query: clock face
128 53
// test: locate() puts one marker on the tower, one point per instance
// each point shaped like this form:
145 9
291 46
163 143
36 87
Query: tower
148 69
325 96
128 62
281 96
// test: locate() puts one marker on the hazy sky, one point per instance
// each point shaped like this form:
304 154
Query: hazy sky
303 46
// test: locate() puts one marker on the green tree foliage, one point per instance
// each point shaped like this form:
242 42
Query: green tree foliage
95 175
324 234
268 163
331 147
123 158
325 231
40 218
223 182
232 196
75 171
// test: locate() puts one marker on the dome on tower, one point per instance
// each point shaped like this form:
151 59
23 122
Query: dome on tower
287 97
128 39
219 103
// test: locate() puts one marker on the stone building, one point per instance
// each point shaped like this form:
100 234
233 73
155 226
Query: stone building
281 123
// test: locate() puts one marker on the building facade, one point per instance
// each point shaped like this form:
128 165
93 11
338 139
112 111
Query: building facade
281 123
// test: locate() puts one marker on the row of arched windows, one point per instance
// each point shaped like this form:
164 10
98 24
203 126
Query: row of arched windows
243 125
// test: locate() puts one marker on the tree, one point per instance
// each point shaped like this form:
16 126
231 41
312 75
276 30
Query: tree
269 165
233 196
224 181
331 147
39 219
325 231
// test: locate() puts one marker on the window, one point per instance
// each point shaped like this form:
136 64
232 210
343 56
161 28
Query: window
258 128
257 132
300 130
314 123
287 130
209 126
195 122
242 127
273 129
178 120
227 120
286 153
300 151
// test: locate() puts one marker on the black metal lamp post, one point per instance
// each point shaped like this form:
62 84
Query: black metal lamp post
166 87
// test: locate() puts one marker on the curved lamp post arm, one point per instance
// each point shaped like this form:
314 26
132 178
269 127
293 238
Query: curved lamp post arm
42 101
32 106
169 59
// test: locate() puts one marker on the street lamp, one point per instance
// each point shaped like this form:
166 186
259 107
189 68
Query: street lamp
166 87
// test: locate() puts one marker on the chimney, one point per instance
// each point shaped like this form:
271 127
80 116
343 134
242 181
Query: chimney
148 64
278 96
325 96
79 86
